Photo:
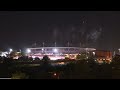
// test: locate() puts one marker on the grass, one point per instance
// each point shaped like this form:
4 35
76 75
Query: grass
27 65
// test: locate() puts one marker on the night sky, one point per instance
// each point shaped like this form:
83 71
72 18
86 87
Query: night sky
99 29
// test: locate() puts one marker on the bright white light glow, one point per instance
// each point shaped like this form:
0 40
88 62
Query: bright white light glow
33 57
6 52
55 74
3 54
87 57
15 57
42 49
55 50
119 50
61 63
93 53
56 58
28 50
11 50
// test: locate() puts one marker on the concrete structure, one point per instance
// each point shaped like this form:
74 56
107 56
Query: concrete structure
102 55
55 53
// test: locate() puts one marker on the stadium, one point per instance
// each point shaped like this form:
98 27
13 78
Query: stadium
55 53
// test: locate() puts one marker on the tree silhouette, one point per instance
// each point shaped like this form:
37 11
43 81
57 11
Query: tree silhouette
46 60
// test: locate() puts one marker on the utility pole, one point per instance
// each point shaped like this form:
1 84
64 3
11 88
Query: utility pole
35 44
43 44
43 50
55 44
68 48
80 44
86 53
80 47
68 44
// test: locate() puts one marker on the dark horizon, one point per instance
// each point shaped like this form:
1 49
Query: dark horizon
99 29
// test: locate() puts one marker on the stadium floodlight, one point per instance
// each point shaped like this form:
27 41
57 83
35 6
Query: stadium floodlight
42 49
28 50
10 50
55 50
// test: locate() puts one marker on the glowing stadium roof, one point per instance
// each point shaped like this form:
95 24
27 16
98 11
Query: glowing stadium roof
64 48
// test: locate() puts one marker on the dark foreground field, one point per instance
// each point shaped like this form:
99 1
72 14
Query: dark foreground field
73 70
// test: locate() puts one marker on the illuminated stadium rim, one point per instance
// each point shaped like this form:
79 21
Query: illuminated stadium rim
61 48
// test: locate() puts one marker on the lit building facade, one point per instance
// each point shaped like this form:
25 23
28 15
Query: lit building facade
55 53
102 55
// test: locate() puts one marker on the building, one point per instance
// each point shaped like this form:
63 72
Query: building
102 55
55 53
